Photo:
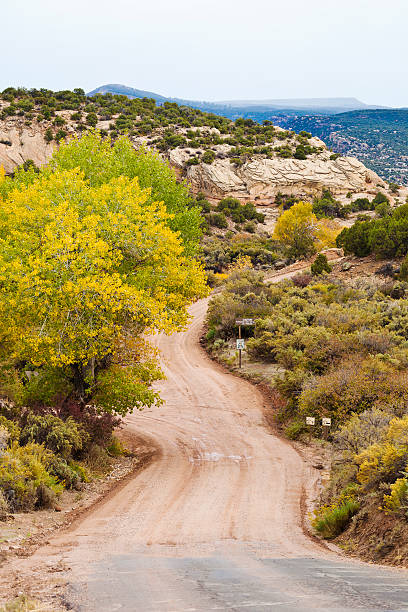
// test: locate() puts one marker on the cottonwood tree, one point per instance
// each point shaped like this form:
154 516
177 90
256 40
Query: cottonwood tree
101 160
85 268
302 232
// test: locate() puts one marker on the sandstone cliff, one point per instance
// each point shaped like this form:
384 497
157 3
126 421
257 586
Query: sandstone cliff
260 179
19 142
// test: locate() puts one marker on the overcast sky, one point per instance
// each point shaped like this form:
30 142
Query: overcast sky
211 49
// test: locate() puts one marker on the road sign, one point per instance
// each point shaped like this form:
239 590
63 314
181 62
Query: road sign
310 421
244 322
240 344
326 422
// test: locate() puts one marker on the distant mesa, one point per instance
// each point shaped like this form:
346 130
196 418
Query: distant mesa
234 108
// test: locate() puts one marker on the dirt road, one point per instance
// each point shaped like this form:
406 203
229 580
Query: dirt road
215 522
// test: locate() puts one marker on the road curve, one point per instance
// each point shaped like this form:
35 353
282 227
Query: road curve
214 523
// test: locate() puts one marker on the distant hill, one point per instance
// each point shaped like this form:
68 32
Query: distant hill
253 109
379 138
302 103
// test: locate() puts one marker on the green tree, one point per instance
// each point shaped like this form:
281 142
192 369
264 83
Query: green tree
320 265
101 160
84 270
301 232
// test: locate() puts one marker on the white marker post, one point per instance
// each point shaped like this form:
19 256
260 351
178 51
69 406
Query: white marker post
310 422
240 340
326 423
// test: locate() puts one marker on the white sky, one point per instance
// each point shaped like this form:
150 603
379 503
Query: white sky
210 49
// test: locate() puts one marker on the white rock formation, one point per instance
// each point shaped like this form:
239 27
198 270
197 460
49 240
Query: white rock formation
19 142
260 179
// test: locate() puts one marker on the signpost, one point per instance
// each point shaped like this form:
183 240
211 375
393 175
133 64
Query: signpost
240 340
326 423
310 421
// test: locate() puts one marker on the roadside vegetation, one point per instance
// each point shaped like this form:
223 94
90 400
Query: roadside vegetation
97 249
340 350
384 237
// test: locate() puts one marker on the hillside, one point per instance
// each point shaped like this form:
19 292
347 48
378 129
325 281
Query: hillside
377 137
219 157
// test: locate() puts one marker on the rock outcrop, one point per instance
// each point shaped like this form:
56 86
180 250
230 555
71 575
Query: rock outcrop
260 179
18 143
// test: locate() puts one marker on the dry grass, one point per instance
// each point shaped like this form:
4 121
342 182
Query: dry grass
26 604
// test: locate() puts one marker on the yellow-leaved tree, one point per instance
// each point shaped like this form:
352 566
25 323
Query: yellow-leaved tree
302 232
84 271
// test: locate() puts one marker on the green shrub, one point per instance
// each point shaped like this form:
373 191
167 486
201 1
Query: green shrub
327 206
352 387
210 335
217 220
48 136
24 478
295 430
62 437
92 119
192 161
249 227
58 467
320 265
361 204
384 237
383 209
380 198
403 275
208 157
116 448
330 521
300 152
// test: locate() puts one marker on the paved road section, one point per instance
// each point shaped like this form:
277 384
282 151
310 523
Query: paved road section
237 582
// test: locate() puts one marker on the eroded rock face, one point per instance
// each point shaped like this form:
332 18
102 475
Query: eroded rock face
19 142
260 179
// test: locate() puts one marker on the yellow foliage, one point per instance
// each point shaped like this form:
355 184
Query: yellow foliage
241 263
2 174
382 459
302 232
398 498
81 267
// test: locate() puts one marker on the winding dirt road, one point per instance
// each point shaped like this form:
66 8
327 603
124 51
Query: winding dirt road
214 523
